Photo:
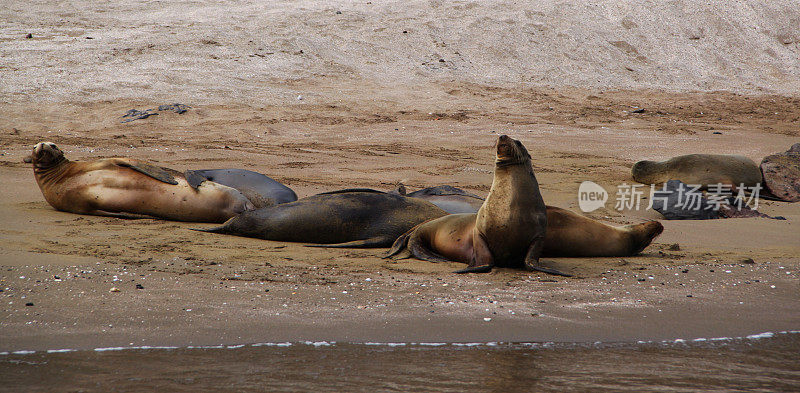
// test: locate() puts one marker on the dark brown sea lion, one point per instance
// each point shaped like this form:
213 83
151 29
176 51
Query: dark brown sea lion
700 169
346 218
781 174
122 187
568 235
450 199
260 189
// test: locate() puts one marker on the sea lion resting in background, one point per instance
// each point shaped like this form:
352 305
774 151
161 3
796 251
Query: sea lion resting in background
450 199
567 235
346 218
121 187
700 169
261 190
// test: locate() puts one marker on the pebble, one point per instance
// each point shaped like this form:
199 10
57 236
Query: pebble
139 286
29 304
114 289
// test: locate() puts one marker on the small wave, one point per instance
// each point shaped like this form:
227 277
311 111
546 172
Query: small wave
488 344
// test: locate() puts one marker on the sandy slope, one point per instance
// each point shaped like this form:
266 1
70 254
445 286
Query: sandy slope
377 108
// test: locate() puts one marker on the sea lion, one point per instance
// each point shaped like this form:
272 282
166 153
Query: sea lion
700 169
781 174
123 187
345 218
567 235
509 227
260 189
450 199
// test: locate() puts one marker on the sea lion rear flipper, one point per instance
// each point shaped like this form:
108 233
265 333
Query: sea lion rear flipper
373 242
194 178
476 269
156 172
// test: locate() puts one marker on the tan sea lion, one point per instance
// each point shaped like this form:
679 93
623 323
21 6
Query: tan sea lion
567 235
346 218
123 187
700 169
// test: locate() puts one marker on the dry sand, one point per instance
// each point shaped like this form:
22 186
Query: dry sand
321 100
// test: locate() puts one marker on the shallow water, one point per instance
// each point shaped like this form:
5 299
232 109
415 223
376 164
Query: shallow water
760 363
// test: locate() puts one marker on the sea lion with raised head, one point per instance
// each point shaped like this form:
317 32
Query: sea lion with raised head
509 228
450 199
567 235
123 187
700 169
346 218
260 189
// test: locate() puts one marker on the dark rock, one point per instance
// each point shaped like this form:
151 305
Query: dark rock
688 295
139 286
678 201
177 108
135 114
672 201
748 261
640 279
640 110
29 35
685 271
674 247
717 133
29 304
781 173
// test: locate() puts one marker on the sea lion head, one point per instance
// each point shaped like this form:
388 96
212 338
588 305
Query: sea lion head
46 155
510 152
643 170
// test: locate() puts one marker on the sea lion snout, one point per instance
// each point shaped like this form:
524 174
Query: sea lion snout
46 154
511 151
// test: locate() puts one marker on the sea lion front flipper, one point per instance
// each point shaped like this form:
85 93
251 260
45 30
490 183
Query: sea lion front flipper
124 216
373 242
194 178
156 172
532 259
482 260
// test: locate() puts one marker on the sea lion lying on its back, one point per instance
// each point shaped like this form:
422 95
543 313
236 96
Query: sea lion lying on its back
346 218
260 189
119 187
450 199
